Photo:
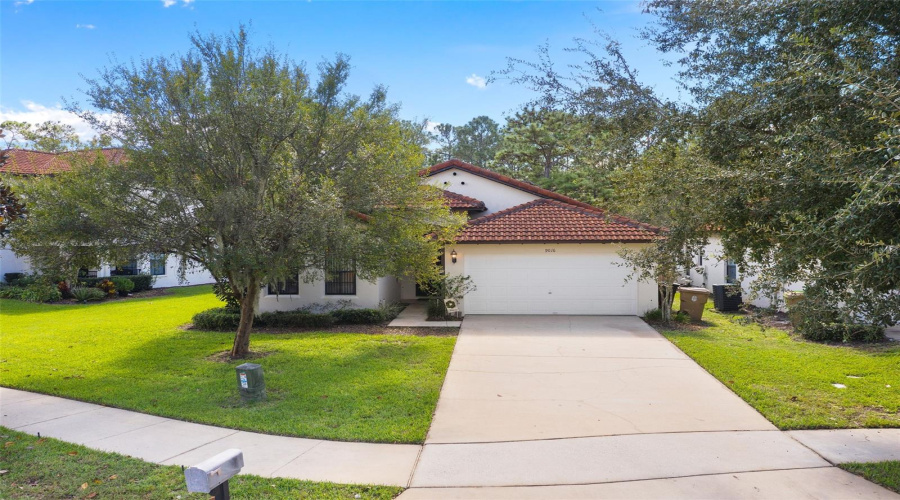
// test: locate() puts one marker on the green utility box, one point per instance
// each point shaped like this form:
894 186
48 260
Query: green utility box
250 380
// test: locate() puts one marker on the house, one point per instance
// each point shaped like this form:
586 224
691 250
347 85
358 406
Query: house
528 250
712 267
24 163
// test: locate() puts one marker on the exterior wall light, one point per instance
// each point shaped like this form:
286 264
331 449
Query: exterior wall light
453 256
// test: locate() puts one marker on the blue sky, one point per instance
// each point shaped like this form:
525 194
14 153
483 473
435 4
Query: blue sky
432 56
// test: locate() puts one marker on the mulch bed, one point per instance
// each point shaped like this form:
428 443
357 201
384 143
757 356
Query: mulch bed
366 329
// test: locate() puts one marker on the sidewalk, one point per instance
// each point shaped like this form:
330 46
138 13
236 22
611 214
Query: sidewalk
167 441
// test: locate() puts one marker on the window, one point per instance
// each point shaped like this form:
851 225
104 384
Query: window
87 273
730 272
290 286
340 277
158 264
130 268
700 258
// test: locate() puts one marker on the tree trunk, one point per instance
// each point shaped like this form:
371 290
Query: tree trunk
241 346
666 306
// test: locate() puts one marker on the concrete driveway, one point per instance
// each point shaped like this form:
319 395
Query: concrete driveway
588 407
518 378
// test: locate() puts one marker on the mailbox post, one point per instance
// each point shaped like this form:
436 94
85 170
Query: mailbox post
212 475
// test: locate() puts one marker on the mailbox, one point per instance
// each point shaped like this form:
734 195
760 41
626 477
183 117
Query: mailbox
250 381
212 475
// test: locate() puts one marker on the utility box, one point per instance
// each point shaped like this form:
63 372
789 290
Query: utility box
250 381
692 301
727 297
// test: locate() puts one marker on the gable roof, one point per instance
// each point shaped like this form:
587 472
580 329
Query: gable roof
546 221
457 201
502 179
28 162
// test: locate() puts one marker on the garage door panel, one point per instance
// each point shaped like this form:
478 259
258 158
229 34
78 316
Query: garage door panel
555 283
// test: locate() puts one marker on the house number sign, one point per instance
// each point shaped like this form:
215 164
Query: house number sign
549 250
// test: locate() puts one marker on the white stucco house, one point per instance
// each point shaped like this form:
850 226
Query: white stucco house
712 267
164 267
528 250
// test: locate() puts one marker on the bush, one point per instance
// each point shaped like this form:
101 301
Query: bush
12 279
223 292
294 319
681 317
84 294
123 285
11 292
436 310
841 332
64 290
41 292
218 319
107 286
141 282
653 315
358 316
390 310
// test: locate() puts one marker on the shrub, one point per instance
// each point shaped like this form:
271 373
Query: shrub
390 310
11 292
84 294
41 292
107 286
681 317
218 319
436 310
12 279
64 290
141 282
653 315
294 319
841 332
123 285
358 316
223 292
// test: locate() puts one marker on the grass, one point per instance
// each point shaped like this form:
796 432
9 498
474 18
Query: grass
886 474
132 354
789 380
48 468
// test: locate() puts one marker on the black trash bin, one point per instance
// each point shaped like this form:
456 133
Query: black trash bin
727 298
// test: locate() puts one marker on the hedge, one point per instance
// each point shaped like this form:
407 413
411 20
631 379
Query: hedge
842 332
218 319
294 319
141 281
358 316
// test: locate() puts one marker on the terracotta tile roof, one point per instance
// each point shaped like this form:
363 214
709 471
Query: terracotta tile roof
548 221
457 201
28 162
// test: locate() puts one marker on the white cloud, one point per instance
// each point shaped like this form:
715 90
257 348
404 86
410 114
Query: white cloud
476 81
431 126
23 2
85 26
38 113
168 3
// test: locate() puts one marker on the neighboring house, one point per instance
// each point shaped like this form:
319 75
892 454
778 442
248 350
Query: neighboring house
712 268
528 250
23 162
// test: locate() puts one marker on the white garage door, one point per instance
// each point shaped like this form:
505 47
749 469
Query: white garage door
549 281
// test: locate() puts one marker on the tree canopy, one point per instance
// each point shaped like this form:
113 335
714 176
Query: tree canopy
237 160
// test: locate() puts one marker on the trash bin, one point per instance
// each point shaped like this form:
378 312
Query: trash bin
250 381
727 297
692 301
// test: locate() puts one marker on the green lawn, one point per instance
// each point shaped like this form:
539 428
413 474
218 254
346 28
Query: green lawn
132 354
886 474
790 380
47 468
